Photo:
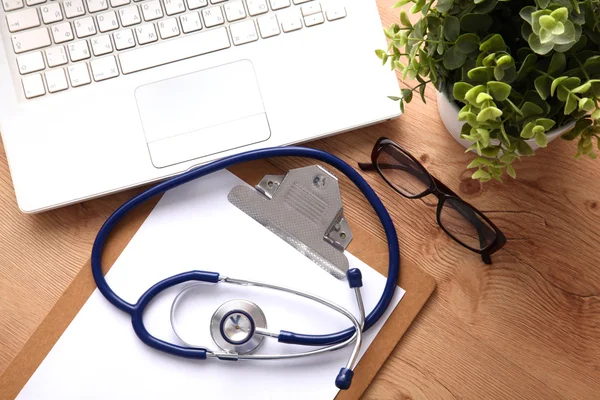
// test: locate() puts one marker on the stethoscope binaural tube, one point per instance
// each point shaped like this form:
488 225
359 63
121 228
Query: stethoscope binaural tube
136 310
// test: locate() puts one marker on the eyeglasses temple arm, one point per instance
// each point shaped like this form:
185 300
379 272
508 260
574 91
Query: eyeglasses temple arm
366 166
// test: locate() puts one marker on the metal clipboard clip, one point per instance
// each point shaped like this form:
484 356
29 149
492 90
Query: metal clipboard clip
304 208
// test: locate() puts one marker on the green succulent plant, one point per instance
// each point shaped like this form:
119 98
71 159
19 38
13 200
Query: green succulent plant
518 69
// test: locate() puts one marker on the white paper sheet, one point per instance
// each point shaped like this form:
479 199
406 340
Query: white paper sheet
195 227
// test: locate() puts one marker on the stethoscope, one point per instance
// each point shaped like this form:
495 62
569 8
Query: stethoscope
239 326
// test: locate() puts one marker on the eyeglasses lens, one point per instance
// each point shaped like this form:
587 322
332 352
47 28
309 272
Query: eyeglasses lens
402 172
466 225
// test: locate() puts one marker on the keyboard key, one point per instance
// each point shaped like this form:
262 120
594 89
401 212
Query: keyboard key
335 12
62 32
31 40
243 32
56 80
168 28
107 21
173 7
124 39
279 4
314 19
212 17
174 50
146 34
129 16
300 1
79 50
257 7
10 5
104 68
79 74
97 5
217 1
194 4
21 20
235 11
51 13
290 21
268 26
101 45
73 8
152 10
31 62
85 27
190 22
56 56
34 2
33 86
119 3
311 8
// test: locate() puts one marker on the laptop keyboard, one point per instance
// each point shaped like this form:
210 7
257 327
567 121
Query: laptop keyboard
72 43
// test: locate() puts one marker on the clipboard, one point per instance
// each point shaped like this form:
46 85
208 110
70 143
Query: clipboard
418 285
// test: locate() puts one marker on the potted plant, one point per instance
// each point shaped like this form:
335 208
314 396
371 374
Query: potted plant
516 72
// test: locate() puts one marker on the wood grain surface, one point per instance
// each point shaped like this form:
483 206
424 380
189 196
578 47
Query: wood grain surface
526 327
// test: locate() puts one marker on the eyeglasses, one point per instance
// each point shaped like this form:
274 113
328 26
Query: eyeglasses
457 218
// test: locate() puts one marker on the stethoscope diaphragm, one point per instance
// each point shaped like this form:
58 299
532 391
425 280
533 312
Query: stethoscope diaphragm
234 326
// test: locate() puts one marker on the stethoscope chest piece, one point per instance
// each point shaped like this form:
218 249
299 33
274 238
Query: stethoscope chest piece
234 326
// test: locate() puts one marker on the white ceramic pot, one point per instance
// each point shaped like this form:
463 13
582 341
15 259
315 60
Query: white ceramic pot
449 113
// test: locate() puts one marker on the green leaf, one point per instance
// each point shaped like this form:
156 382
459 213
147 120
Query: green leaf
484 136
489 113
395 98
451 28
542 86
596 114
571 104
491 151
527 132
471 94
558 64
475 23
404 19
481 97
560 14
537 46
380 53
467 42
546 123
481 74
460 89
499 90
498 73
555 84
401 3
568 36
453 58
586 104
530 109
422 93
481 174
582 88
444 5
418 6
541 139
524 149
547 22
527 66
494 44
407 95
511 171
526 12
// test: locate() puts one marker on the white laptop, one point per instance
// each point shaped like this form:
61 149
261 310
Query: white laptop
98 96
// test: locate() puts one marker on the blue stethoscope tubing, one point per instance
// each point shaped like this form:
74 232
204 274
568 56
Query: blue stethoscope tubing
136 310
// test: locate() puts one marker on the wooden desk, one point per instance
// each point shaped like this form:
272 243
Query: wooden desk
526 327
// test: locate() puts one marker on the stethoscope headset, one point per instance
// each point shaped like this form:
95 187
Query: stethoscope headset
238 327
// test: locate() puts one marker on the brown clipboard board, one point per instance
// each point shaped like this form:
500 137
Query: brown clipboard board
418 285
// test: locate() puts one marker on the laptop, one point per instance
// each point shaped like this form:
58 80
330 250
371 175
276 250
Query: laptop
98 96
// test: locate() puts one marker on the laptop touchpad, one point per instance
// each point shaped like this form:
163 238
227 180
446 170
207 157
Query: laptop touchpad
202 113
